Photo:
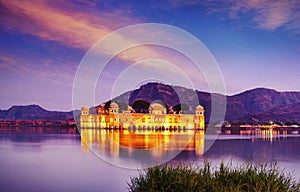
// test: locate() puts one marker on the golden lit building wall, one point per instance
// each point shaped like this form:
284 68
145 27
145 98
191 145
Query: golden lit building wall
157 118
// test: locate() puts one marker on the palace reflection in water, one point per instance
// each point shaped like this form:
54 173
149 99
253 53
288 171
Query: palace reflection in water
112 142
123 143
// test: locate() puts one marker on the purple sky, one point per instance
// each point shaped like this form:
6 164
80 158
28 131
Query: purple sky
256 43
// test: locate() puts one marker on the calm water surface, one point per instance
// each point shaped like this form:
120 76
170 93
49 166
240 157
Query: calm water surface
35 159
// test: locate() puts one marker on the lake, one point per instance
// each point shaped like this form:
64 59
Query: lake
53 159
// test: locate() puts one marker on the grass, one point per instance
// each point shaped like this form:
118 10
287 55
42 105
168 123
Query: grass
250 177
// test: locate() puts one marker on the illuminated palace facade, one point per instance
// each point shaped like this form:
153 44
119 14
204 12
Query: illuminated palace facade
156 118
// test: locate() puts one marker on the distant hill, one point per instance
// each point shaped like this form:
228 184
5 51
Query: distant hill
169 95
289 113
257 105
33 112
263 105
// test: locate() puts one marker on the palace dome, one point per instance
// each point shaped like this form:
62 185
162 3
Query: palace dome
85 108
114 105
199 107
157 106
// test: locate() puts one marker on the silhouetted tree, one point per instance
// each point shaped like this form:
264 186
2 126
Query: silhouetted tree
141 106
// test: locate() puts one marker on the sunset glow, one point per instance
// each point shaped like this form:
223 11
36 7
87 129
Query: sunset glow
255 43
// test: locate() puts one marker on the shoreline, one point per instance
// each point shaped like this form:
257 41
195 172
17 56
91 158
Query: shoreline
72 124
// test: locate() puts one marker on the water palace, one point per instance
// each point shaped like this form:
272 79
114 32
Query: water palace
155 119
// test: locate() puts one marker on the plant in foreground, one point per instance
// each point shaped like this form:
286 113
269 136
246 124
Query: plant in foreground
250 177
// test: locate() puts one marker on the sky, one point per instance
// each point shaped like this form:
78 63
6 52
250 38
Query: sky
255 43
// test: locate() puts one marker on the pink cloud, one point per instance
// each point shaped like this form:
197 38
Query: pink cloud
66 24
266 14
26 67
5 59
269 14
71 27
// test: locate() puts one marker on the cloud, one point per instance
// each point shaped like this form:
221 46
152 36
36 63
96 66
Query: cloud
6 60
67 24
24 67
265 14
75 27
269 14
70 27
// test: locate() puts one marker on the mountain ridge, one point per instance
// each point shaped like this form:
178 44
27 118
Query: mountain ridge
258 104
239 106
33 112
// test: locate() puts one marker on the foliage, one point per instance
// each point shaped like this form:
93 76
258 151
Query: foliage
250 177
